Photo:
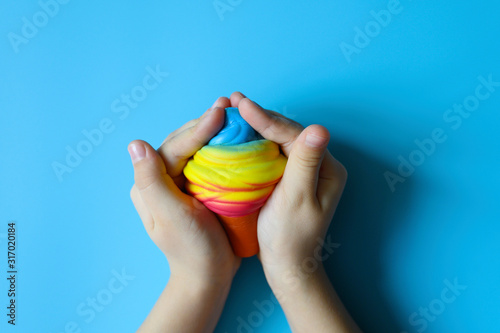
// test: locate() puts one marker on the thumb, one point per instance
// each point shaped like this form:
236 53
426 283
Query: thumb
301 174
156 188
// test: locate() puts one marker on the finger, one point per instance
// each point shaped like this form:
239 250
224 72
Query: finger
301 174
142 210
331 182
176 151
235 98
222 102
270 125
157 190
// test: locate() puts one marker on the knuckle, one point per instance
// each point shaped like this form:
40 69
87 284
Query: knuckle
342 172
274 126
307 160
297 199
144 182
195 137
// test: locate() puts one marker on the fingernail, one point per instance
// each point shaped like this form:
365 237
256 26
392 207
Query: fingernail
137 152
315 141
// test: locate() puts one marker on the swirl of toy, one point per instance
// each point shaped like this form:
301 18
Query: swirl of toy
233 176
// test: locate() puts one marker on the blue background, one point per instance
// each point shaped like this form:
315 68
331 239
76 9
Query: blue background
396 248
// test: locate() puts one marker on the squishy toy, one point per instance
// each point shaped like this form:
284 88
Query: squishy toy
233 176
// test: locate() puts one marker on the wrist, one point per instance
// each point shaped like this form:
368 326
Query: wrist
205 275
298 278
200 284
310 302
185 298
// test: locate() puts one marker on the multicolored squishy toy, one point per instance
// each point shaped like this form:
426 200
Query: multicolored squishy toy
233 176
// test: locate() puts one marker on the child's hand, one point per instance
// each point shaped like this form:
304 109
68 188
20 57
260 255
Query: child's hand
294 220
301 207
189 235
201 260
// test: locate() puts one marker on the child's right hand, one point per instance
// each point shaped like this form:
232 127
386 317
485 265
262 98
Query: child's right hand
189 235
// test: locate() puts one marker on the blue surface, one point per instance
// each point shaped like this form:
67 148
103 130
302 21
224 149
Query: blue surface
235 130
96 75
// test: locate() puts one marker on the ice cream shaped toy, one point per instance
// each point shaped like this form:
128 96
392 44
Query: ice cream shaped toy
233 176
